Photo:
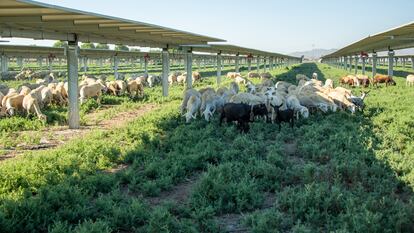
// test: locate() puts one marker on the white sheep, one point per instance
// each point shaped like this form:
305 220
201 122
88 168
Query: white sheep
293 103
186 96
410 80
90 91
192 106
47 96
315 76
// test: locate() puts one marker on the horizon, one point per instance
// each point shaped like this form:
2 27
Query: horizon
252 31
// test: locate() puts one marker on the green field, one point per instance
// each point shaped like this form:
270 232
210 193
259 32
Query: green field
333 172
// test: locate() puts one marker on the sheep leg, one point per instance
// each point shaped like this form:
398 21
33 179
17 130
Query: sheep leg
222 116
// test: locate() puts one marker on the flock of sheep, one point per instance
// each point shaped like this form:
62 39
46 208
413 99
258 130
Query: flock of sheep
276 102
31 98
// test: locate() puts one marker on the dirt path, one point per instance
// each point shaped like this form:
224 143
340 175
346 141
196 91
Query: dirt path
60 135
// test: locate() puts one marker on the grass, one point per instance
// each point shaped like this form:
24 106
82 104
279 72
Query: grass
331 173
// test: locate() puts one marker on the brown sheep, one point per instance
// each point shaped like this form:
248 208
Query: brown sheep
380 78
135 88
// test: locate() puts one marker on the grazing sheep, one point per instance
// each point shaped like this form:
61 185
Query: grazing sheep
253 75
172 78
144 80
181 79
363 80
342 101
3 110
359 100
187 94
112 88
193 104
206 97
47 96
410 80
153 80
247 98
239 80
266 75
196 76
284 116
380 78
14 103
135 88
233 75
31 105
293 103
122 86
90 91
241 113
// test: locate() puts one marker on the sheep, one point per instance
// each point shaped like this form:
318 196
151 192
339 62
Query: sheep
37 93
315 76
313 102
363 80
328 83
239 80
122 86
196 76
247 98
359 101
14 103
342 101
284 116
47 96
242 113
206 97
181 79
172 78
135 88
233 75
112 87
61 88
23 90
30 104
144 80
251 88
266 75
3 110
253 75
293 103
193 104
91 90
187 94
301 77
234 87
410 80
152 80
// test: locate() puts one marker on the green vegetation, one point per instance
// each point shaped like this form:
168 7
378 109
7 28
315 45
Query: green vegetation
332 173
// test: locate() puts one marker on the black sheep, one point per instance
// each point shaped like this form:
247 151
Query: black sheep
242 113
287 115
261 110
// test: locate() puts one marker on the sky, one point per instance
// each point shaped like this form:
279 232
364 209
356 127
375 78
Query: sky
272 25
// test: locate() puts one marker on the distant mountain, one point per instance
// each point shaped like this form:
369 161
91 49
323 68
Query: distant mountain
313 54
